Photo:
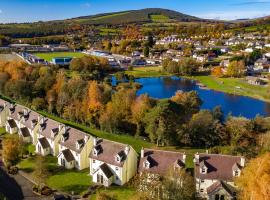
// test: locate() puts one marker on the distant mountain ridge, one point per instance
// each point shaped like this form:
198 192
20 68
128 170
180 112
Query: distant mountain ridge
135 16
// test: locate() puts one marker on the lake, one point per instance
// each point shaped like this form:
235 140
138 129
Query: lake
165 87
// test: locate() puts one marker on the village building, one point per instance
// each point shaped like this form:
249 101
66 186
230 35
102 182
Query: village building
28 126
112 162
15 113
74 149
4 111
158 162
48 137
214 175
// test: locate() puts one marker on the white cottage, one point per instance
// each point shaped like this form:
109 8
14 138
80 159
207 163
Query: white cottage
112 162
74 148
214 175
48 136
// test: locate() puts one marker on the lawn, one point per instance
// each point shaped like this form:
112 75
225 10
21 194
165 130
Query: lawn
71 181
231 86
60 179
49 56
2 131
140 72
117 193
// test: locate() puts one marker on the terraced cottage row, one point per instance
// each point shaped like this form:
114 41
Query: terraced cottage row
115 163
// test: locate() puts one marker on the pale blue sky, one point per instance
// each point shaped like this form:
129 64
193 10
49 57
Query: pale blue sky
35 10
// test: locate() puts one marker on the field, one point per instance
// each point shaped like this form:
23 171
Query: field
109 16
108 31
159 18
9 57
231 85
139 72
49 56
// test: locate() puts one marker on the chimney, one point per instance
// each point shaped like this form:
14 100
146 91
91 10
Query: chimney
196 158
59 127
242 162
95 141
184 157
86 139
127 150
142 152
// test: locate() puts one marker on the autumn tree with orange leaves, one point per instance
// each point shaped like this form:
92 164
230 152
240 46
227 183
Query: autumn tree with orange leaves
254 182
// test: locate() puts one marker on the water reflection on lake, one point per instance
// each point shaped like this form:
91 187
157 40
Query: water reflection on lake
165 87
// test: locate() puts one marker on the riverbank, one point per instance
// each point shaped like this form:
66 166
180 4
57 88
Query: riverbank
236 86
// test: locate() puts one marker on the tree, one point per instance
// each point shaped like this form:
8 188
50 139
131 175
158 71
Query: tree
38 103
146 51
163 121
255 179
178 185
217 71
236 69
40 172
12 149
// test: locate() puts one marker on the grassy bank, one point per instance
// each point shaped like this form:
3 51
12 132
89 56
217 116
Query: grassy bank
140 72
237 86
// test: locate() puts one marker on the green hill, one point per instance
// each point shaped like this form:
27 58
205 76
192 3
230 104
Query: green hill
136 16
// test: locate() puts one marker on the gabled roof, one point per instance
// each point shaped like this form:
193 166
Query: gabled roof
25 132
108 150
218 166
15 111
32 117
68 155
106 170
161 161
44 143
47 127
220 184
72 137
12 123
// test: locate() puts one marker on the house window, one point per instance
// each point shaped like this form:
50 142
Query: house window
222 197
94 161
236 173
201 190
203 170
116 178
202 181
117 159
217 197
116 168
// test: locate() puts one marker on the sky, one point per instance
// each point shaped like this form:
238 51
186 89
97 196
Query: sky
44 10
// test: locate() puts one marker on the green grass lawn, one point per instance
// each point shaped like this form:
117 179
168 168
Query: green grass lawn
229 85
117 193
60 179
140 72
70 181
49 56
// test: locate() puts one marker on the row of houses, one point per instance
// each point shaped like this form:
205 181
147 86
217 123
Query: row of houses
116 163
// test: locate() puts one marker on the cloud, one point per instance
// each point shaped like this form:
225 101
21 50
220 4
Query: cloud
246 3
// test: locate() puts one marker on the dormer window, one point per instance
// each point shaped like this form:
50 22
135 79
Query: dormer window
65 137
54 132
147 164
118 158
33 123
236 173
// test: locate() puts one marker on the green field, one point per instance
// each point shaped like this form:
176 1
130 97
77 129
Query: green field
159 18
109 16
231 86
140 72
49 56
